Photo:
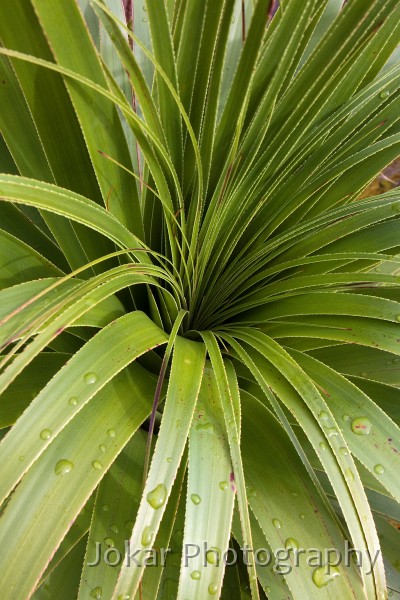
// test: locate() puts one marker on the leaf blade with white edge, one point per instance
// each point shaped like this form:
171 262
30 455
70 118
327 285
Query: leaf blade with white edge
209 508
181 398
65 475
126 339
228 391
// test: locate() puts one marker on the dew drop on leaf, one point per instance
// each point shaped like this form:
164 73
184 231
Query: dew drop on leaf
223 485
73 401
323 415
205 427
195 575
349 474
90 378
147 536
102 448
96 593
114 528
111 433
156 498
212 589
63 467
343 451
385 94
361 426
109 542
291 543
195 499
97 465
276 523
322 445
379 469
45 434
346 418
212 556
331 431
322 576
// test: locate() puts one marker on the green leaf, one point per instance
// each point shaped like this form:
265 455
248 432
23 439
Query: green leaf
181 399
81 379
79 54
209 508
65 475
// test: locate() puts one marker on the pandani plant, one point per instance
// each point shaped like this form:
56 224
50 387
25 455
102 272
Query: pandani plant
200 323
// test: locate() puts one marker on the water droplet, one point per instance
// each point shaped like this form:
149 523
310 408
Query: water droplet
169 459
195 499
147 536
385 94
111 433
262 557
223 485
379 469
205 427
123 597
63 467
364 374
145 19
102 448
105 507
129 525
323 415
114 528
349 474
156 498
195 575
212 589
252 493
324 575
343 451
346 418
21 458
73 401
268 590
398 318
45 434
97 465
331 431
276 523
90 378
322 445
96 593
291 543
109 542
361 426
212 556
302 516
